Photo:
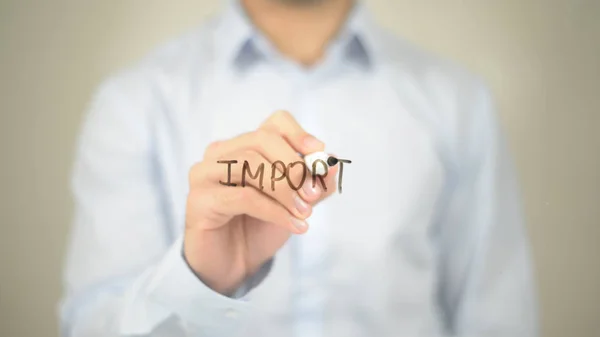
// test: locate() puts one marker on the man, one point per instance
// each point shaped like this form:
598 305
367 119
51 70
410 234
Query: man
426 239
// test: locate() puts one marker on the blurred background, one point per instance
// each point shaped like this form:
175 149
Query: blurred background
541 59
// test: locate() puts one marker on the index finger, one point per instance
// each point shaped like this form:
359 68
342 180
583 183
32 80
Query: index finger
284 124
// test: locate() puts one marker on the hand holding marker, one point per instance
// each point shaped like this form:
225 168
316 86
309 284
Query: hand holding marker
230 233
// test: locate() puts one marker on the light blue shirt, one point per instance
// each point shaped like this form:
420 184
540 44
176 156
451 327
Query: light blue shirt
427 238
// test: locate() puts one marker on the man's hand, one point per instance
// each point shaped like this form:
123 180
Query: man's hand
231 231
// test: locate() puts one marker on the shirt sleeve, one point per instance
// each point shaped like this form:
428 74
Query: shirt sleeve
486 285
125 274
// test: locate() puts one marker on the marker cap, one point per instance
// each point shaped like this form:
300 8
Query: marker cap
321 169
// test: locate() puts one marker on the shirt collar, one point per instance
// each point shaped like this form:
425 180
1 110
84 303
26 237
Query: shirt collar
239 44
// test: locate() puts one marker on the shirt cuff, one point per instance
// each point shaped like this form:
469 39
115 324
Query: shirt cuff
175 287
253 281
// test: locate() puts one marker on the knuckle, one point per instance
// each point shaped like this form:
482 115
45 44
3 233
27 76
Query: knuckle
195 171
204 207
197 202
243 157
281 114
248 155
256 159
193 196
262 136
219 174
211 148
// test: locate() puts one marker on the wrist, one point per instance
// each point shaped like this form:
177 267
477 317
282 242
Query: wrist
211 274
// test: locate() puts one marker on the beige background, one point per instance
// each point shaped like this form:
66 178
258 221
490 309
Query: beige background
541 58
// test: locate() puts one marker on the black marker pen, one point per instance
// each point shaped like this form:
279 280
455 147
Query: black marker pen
322 167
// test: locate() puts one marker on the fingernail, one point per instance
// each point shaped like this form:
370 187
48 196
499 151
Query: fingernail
312 143
311 192
299 224
301 205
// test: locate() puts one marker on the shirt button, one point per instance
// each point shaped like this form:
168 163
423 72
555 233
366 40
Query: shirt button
231 313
